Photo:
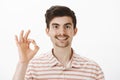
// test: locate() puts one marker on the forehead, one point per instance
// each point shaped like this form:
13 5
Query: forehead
61 20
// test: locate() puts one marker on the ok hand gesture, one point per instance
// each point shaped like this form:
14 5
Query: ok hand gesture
23 44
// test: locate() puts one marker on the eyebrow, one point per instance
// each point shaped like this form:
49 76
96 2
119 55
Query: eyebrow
68 24
64 24
55 24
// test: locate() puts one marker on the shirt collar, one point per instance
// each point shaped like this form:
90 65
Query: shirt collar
74 63
52 60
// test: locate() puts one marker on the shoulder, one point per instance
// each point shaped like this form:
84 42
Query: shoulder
41 59
83 58
87 62
88 65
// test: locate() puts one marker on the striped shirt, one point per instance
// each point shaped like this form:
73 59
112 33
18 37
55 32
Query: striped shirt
47 67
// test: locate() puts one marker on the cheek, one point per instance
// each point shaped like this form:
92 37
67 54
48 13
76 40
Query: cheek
52 33
71 33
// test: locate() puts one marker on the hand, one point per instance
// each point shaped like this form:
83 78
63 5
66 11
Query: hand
23 44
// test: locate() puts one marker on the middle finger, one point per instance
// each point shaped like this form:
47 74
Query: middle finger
26 35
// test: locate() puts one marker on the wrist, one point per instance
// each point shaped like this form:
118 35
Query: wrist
23 62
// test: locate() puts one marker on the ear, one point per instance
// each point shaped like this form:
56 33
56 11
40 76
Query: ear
47 31
75 31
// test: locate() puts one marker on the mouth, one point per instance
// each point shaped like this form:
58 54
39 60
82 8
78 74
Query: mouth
62 38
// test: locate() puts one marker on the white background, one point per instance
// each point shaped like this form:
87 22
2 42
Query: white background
98 36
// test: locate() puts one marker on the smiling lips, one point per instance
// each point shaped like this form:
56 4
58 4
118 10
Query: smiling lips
62 38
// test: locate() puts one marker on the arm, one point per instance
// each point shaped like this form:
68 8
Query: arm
20 71
25 54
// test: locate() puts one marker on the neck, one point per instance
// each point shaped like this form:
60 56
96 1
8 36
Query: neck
63 54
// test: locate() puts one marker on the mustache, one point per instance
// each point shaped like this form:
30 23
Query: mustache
62 36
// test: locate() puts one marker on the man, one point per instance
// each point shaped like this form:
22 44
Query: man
61 63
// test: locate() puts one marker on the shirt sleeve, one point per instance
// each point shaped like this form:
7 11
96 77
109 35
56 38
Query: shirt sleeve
100 74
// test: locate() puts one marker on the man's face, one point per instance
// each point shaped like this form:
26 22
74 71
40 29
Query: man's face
61 31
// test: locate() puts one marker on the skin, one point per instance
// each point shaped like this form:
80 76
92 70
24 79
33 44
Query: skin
61 33
25 54
23 44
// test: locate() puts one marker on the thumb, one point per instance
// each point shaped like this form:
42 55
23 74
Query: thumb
36 47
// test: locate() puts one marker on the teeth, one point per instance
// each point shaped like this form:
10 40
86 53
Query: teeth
62 38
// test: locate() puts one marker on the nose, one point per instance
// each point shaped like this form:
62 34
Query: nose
62 31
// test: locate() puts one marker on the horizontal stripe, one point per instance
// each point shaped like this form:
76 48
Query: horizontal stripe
47 67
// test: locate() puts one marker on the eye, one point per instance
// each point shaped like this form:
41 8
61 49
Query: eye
67 26
55 26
